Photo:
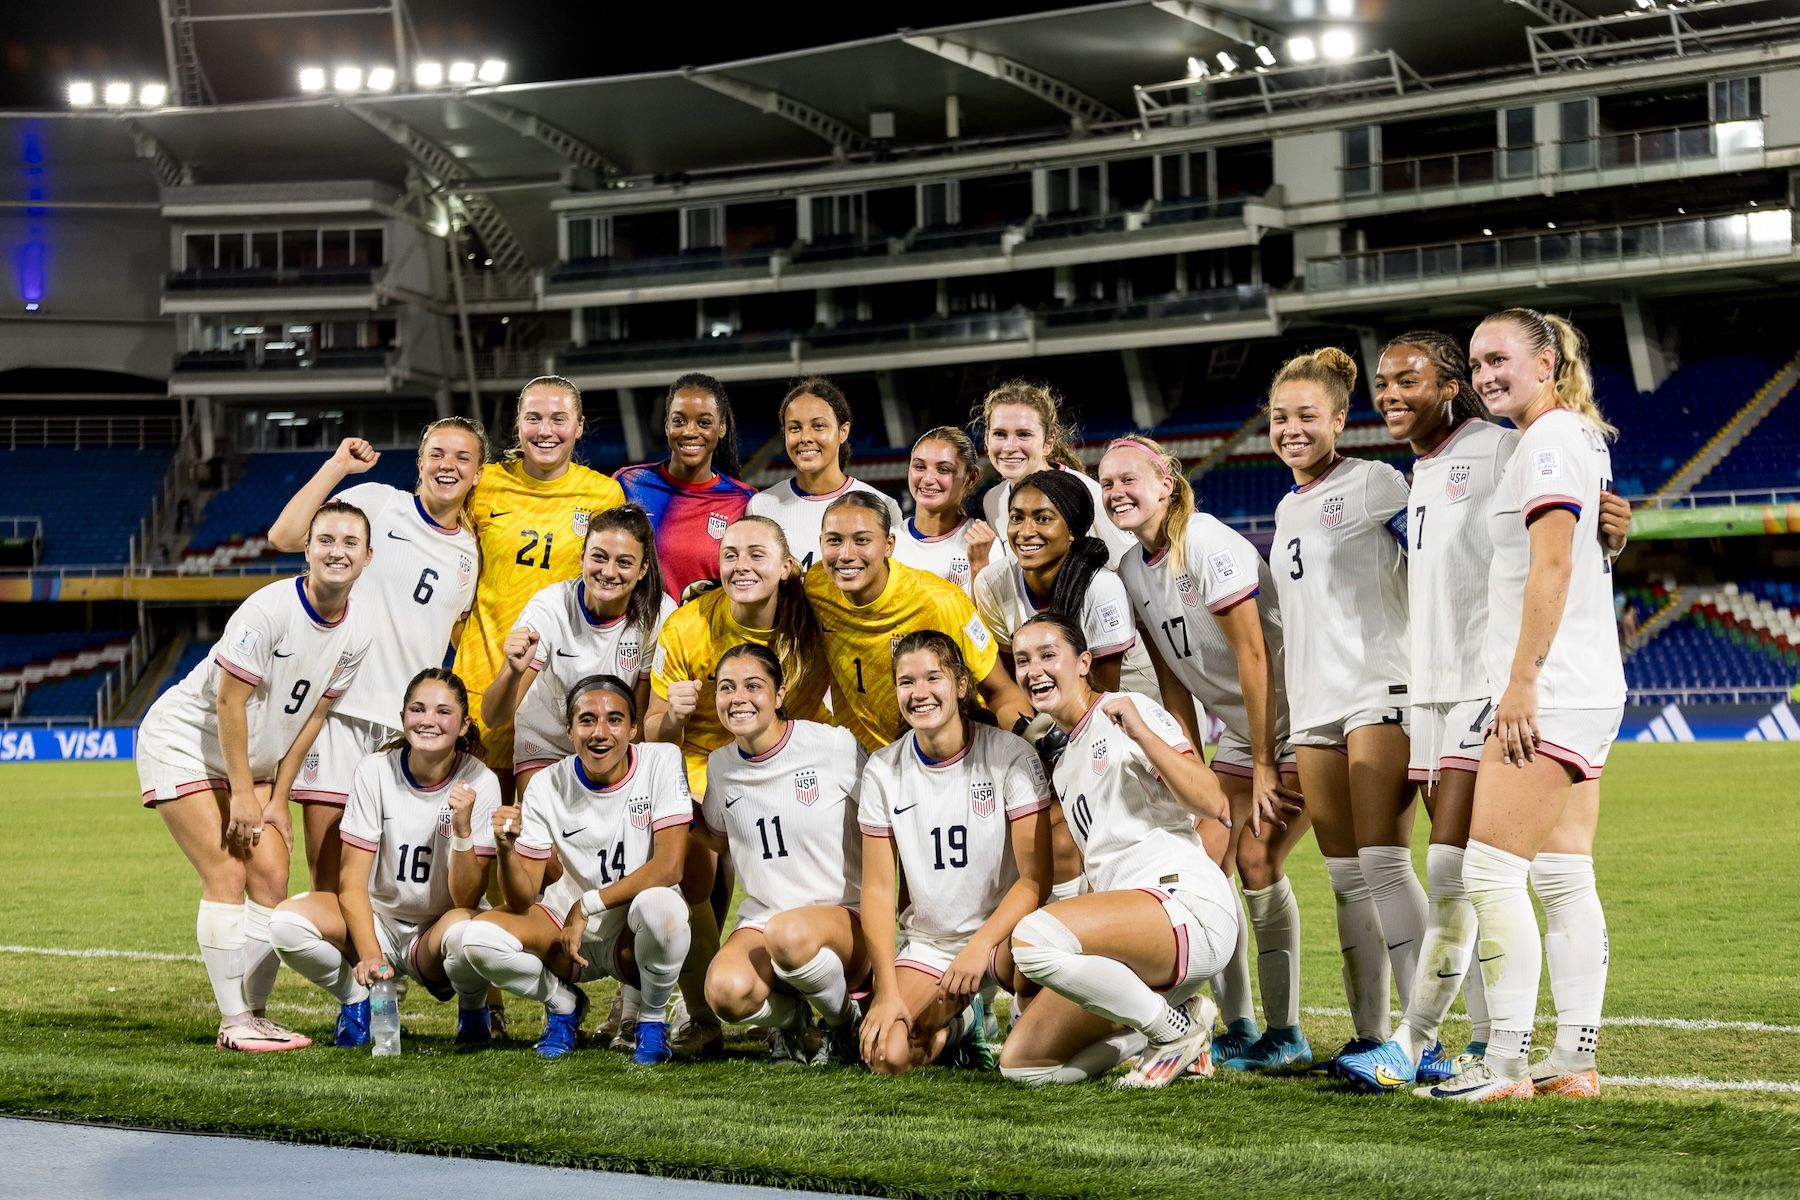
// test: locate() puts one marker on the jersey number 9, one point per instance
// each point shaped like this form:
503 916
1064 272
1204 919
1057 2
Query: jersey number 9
297 697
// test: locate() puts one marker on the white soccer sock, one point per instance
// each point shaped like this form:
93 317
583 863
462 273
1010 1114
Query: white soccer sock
658 920
1231 986
1401 901
821 980
469 984
1444 953
1508 949
1276 917
779 1011
631 1004
1103 986
260 962
502 960
1364 953
304 950
219 928
1575 944
1090 1062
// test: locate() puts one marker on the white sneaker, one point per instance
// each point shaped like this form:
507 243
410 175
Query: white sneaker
259 1035
1162 1063
1478 1084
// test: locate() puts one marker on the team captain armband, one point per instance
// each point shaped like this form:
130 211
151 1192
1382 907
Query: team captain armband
1396 525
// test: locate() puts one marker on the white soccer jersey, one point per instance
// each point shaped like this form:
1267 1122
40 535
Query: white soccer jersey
1005 603
1561 461
993 507
802 515
407 828
946 555
571 646
602 834
292 657
1179 612
1449 548
1339 561
419 583
1131 832
951 823
790 818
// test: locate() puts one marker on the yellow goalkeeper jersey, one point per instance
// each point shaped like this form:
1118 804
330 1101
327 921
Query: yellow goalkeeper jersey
860 640
530 533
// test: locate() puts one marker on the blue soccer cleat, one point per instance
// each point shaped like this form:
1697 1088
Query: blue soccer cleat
1383 1069
560 1029
473 1027
652 1043
1235 1041
1435 1066
352 1025
1277 1049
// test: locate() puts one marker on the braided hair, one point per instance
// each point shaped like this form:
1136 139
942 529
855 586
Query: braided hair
1451 362
1087 553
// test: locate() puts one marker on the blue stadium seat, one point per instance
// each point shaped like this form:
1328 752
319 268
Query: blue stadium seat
267 481
1691 655
90 501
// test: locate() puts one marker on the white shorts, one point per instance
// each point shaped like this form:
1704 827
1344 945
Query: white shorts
328 768
1337 733
400 942
1232 756
1205 939
1448 736
1579 738
600 941
534 749
933 956
758 919
168 774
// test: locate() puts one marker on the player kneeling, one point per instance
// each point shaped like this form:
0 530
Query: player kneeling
616 815
417 838
964 809
1130 786
779 797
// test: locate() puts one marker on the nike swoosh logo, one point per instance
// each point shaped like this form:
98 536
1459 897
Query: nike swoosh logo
574 831
492 514
566 654
1260 953
1397 945
1449 974
1474 745
1489 958
397 537
732 800
282 653
908 808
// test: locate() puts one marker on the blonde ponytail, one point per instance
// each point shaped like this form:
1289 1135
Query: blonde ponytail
1329 367
1570 379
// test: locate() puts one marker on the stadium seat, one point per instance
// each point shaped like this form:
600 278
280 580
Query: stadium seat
100 497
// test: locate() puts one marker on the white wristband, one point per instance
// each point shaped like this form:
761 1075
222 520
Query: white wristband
460 844
591 903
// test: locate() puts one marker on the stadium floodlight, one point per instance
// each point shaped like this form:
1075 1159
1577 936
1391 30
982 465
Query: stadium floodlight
81 93
462 72
1227 63
1196 68
1340 8
1265 56
153 95
347 79
117 94
1338 43
381 79
312 79
1302 49
493 70
429 74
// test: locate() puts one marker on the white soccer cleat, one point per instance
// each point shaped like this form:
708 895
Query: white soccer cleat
259 1035
1163 1063
1478 1084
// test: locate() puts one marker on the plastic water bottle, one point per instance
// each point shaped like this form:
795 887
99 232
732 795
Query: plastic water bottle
384 1017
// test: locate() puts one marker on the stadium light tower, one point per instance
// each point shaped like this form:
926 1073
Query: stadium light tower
188 80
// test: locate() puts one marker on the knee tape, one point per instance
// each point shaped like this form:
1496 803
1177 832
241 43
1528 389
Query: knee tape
1048 940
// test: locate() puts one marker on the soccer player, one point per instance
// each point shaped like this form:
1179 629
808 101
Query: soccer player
815 426
530 514
219 753
940 537
414 598
418 838
781 796
604 623
1023 427
959 811
1551 653
761 600
1160 918
1339 561
616 816
691 496
866 603
1206 602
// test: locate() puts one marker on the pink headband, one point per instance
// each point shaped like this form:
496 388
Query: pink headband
1162 466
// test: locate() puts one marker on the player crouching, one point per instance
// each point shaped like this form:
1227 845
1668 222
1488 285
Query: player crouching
417 840
617 815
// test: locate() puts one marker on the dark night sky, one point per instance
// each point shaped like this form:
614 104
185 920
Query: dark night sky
45 43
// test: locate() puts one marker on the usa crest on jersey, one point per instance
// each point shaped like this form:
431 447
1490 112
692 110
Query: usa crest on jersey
806 786
464 569
715 525
309 769
1331 513
1098 758
981 798
1190 594
579 522
444 820
628 656
959 570
640 812
1457 485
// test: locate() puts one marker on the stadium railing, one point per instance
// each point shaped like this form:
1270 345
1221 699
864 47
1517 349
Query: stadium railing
26 433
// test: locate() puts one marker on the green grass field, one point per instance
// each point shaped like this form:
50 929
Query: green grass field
1699 870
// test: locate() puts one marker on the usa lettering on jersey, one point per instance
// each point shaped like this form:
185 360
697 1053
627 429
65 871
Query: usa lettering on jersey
1456 485
1331 513
806 787
1098 759
981 798
579 522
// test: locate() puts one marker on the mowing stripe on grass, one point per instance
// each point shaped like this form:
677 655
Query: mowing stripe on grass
1696 1023
1697 1083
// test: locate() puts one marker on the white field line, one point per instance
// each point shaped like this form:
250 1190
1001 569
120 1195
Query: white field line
62 952
1697 1083
1609 1019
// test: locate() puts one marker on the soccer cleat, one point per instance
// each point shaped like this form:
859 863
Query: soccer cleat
496 1018
1236 1039
1356 1045
698 1040
838 1047
1383 1069
352 1025
1162 1063
652 1044
609 1028
1548 1079
626 1038
972 1051
472 1027
1436 1066
1277 1049
787 1044
259 1035
1478 1084
561 1029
